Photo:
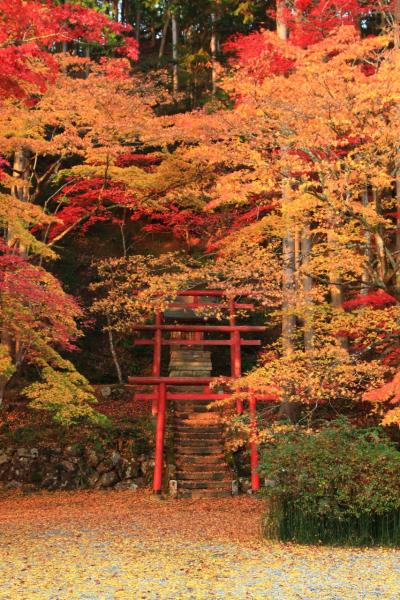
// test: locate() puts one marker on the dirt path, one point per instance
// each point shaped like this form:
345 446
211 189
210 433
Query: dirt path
125 545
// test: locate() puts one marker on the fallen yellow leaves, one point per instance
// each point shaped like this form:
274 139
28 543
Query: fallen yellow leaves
117 546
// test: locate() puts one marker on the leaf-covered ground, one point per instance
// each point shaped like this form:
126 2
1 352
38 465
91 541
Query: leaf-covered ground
126 545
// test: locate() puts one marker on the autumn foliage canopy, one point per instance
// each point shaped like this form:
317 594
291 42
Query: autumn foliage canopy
281 184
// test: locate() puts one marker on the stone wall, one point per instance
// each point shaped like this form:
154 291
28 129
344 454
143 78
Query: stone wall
72 468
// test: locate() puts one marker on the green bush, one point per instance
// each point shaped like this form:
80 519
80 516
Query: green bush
340 485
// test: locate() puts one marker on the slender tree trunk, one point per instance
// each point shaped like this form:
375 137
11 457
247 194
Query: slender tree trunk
152 35
288 243
380 245
87 55
164 36
3 384
288 293
213 48
366 280
288 410
335 284
114 353
175 82
306 247
138 21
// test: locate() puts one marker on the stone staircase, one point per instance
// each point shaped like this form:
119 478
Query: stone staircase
201 468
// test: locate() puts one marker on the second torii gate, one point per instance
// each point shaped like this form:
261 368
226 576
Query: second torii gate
160 395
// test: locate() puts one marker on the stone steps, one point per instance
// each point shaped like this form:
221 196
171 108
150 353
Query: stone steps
219 486
201 469
194 435
212 475
194 494
199 442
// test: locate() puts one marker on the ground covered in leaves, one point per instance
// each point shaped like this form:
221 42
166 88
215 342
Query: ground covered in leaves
127 545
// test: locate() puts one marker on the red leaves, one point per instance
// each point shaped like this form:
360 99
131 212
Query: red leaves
88 201
313 20
258 56
38 309
377 299
142 161
388 392
29 29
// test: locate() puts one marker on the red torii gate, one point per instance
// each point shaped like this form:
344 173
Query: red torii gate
161 395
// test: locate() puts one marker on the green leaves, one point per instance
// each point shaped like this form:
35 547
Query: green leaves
340 475
67 394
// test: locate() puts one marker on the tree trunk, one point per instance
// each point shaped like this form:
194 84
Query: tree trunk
281 26
87 55
20 190
288 410
288 291
213 49
152 35
21 171
164 36
335 284
138 21
114 353
306 246
175 82
366 280
380 245
288 244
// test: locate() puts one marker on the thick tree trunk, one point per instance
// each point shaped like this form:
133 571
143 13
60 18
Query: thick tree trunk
281 26
21 172
3 385
20 190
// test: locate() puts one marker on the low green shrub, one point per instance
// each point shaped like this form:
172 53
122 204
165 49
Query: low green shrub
339 485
